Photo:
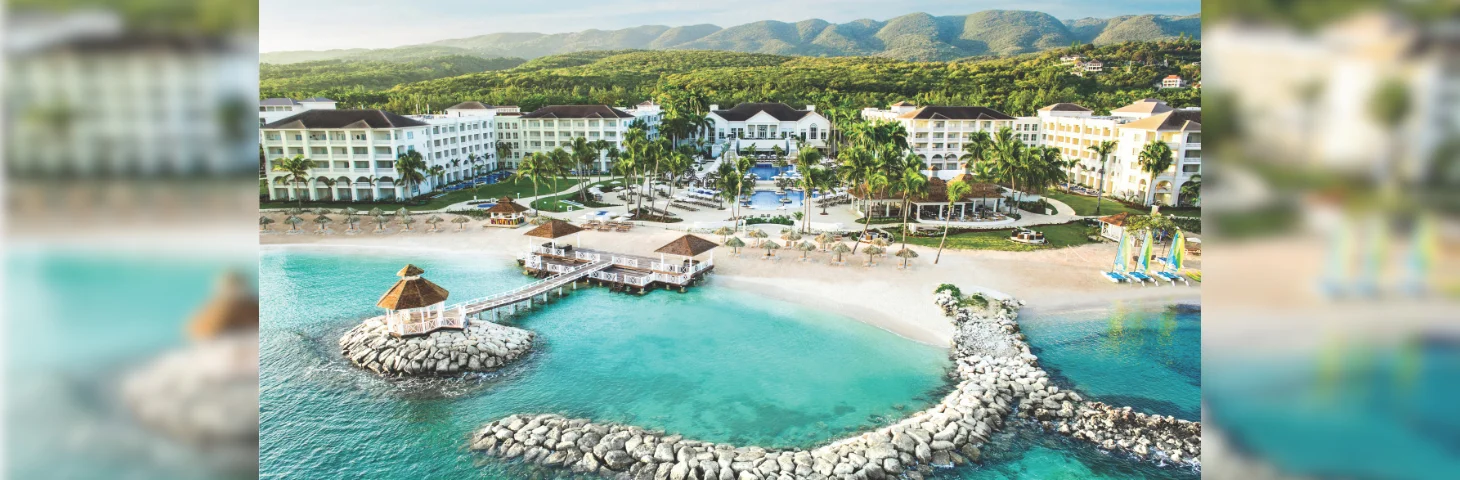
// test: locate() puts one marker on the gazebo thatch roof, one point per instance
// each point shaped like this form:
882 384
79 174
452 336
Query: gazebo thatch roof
507 206
1117 219
687 246
233 307
553 229
412 291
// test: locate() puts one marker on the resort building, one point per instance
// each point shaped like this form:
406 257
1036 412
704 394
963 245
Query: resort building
1092 66
763 126
556 126
1073 129
463 140
1172 81
937 133
354 153
982 199
507 151
275 109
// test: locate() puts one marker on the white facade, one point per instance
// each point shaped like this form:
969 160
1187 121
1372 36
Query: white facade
938 134
1172 81
455 138
556 126
353 149
763 126
1073 129
274 109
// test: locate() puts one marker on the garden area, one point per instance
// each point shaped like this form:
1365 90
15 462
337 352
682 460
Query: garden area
1056 236
568 202
1084 205
437 201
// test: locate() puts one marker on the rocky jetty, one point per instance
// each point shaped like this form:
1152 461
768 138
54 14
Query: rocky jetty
997 376
482 346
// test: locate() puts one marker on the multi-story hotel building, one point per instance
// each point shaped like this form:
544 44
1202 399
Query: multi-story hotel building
937 134
275 109
763 126
1073 129
354 153
556 126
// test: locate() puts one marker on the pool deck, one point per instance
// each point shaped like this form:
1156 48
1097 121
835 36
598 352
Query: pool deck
622 272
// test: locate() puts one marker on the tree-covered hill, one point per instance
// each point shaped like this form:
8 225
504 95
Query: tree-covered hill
915 36
1017 85
372 74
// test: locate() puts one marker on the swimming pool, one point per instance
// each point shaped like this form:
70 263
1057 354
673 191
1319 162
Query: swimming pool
769 200
766 171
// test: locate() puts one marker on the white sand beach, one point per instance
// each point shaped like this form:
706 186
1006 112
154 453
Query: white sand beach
882 295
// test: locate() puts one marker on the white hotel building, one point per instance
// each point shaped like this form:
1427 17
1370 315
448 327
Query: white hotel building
556 126
937 134
763 126
354 153
1073 129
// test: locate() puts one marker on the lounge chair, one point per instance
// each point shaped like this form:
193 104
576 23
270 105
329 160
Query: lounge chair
624 227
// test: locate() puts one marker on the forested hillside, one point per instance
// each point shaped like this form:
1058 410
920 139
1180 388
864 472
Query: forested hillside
1017 85
372 74
915 36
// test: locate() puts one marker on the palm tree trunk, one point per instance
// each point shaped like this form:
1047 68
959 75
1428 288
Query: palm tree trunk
1100 189
905 211
946 226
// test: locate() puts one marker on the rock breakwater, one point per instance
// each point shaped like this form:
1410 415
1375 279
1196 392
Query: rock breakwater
482 346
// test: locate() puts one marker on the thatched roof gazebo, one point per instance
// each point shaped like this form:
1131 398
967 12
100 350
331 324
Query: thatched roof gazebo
233 307
688 246
506 213
554 229
415 306
1112 226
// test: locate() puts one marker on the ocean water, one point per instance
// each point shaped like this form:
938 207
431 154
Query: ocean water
712 364
1143 356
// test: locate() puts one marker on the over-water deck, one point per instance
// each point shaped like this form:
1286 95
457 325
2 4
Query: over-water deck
623 271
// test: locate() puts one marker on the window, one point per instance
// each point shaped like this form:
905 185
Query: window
359 136
361 151
276 151
813 132
410 135
317 150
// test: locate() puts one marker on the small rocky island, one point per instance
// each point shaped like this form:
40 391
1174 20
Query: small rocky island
419 336
997 377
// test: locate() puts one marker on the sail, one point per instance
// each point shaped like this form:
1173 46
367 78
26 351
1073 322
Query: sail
1145 261
1178 252
1120 254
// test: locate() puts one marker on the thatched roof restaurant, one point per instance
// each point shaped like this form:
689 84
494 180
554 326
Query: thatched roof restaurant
506 213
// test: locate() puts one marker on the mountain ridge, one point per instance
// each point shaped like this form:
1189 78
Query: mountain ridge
915 36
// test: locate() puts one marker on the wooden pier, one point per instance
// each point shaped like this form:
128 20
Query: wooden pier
619 271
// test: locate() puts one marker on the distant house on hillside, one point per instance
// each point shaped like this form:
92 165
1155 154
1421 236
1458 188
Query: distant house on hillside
1071 59
1092 66
1172 81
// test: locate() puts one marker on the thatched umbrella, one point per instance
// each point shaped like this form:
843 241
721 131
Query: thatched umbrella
724 232
790 235
264 222
735 243
871 251
552 229
407 220
461 221
294 211
906 254
321 211
402 212
351 220
380 221
376 212
823 239
350 211
322 220
839 249
759 236
433 220
294 221
768 246
805 248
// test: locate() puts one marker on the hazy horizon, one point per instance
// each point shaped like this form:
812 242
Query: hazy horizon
337 24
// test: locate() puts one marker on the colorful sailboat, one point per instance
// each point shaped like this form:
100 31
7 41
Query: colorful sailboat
1144 263
1117 270
1175 260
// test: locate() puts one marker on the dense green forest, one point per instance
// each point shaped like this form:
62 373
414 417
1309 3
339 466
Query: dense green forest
372 74
1017 85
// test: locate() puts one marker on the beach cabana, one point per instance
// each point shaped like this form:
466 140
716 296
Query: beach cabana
687 246
1113 226
415 306
506 213
554 229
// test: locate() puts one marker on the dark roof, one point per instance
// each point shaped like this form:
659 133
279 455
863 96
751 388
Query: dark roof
317 99
1064 107
469 106
277 102
956 113
578 111
323 118
1182 120
687 246
506 205
746 110
411 291
553 229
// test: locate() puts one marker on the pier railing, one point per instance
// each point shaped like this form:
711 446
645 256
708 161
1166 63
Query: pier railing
564 275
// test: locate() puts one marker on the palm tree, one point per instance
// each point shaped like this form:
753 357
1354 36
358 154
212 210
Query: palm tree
1389 106
1155 158
560 164
1103 150
531 167
504 150
460 221
410 166
437 174
1192 188
1008 160
264 222
806 159
584 155
976 150
956 190
877 182
297 169
329 186
912 183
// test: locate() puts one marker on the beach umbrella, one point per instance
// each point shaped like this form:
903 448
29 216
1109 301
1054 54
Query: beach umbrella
768 246
350 211
321 211
433 221
351 220
402 212
839 249
735 243
323 220
881 242
380 221
407 220
906 254
724 232
872 250
805 248
264 222
757 234
294 211
376 212
294 221
823 238
790 235
460 221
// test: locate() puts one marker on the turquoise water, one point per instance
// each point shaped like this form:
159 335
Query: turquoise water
1345 412
769 200
1145 357
713 364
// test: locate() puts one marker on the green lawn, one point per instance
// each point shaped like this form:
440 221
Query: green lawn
552 204
1084 205
1056 236
522 188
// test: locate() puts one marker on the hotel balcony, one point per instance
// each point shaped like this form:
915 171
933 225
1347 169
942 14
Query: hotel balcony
1193 146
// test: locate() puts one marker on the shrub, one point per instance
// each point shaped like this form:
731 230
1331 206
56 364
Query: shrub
950 288
778 220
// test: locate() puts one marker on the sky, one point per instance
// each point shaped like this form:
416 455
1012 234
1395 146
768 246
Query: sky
331 24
